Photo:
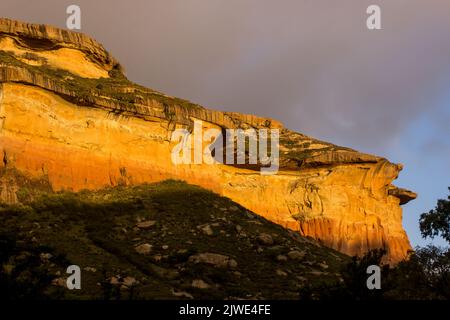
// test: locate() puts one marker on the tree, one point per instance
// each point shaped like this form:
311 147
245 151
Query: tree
425 275
437 221
353 285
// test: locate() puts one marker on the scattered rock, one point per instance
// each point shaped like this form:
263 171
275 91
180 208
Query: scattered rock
90 269
144 248
114 281
238 228
200 284
165 247
281 273
234 208
207 230
276 249
323 265
255 222
296 255
182 294
214 259
45 256
60 282
281 258
129 281
146 224
295 235
163 272
232 263
266 239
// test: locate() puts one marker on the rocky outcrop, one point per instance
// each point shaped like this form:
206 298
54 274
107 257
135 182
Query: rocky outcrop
48 38
81 124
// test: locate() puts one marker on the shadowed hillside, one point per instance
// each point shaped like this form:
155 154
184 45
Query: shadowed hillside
168 240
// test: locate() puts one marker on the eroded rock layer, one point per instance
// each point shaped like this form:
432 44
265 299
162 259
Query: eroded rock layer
69 115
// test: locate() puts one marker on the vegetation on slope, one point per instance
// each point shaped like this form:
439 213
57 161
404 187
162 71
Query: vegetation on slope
168 240
172 240
85 91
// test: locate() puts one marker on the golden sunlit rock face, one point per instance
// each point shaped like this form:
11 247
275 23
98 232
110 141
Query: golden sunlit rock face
68 115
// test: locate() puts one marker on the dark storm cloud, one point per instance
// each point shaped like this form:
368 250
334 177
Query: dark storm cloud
311 64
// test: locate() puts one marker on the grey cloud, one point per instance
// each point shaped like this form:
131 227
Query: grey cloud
311 64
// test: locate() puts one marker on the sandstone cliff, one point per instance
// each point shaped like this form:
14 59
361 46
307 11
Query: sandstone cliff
69 115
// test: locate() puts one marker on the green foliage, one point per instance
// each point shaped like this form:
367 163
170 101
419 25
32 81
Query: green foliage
116 89
437 221
97 229
34 57
353 283
425 275
23 275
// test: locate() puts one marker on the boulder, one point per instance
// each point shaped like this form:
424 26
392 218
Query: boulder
144 248
214 259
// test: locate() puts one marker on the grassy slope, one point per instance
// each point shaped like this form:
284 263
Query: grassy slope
98 230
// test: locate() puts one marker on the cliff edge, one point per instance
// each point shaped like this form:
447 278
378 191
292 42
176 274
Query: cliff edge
70 116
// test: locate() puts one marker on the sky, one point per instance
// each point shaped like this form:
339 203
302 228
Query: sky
312 64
